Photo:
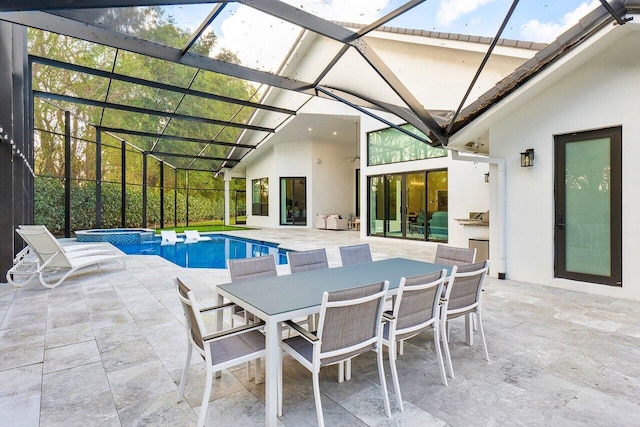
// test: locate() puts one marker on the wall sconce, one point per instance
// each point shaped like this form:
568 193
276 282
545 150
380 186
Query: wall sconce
486 177
526 158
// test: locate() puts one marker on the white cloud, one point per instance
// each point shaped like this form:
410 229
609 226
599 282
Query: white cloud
262 41
450 10
535 30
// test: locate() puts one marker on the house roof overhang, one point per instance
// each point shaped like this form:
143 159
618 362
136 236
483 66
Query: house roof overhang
593 34
475 136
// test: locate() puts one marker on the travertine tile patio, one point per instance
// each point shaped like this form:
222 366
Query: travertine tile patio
107 348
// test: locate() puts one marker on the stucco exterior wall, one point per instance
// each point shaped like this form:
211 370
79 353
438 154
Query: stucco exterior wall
333 189
263 166
329 173
436 71
601 93
439 75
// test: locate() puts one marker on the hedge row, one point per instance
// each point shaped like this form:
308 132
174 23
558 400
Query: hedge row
49 205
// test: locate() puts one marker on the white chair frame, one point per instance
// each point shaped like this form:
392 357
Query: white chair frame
204 347
411 331
51 257
468 310
318 355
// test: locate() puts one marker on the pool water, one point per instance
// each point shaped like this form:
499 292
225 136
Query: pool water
212 253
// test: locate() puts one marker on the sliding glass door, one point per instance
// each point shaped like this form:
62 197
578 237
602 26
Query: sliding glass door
293 201
416 218
377 206
437 206
394 205
412 205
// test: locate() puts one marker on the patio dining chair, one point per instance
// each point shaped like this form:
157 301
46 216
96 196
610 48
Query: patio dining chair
415 309
252 268
464 297
220 350
355 254
247 269
350 325
450 255
300 261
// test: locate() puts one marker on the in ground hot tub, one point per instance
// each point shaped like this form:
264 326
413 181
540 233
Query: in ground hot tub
116 236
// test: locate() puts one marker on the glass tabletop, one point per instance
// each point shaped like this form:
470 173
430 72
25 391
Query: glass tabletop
281 294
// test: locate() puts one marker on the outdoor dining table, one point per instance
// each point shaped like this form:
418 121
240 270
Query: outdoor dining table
285 297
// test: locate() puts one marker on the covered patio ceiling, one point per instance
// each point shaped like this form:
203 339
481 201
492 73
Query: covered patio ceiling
282 78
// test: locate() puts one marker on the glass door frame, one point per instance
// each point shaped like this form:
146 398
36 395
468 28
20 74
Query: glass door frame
614 134
404 206
402 209
302 219
415 221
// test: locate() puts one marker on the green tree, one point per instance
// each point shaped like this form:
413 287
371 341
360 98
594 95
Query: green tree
154 24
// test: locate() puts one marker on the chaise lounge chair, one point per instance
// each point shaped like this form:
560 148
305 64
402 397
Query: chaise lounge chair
193 236
27 255
68 248
51 257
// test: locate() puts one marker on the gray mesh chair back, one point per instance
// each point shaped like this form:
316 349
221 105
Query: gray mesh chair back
464 291
449 255
350 324
417 303
220 350
252 268
192 325
307 260
463 296
416 308
356 254
247 269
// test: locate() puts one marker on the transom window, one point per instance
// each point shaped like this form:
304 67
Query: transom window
392 146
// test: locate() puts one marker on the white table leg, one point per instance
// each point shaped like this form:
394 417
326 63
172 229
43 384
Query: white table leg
468 328
271 372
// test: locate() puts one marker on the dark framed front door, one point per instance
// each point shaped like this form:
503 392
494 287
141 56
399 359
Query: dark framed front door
588 206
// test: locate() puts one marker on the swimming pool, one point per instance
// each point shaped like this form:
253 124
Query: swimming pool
212 253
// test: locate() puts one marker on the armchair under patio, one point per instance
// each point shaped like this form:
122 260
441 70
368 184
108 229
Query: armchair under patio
350 324
220 350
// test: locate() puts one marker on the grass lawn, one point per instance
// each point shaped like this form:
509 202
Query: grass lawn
206 227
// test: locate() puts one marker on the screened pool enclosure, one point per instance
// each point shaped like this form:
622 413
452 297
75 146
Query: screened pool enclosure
140 113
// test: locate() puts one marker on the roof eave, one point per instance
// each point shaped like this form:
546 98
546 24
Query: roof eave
565 43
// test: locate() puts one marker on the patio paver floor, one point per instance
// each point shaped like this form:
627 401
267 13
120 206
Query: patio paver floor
107 348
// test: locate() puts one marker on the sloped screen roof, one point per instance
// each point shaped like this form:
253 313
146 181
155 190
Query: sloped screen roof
201 84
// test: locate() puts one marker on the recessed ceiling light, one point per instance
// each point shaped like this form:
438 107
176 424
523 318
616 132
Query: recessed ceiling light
310 129
335 133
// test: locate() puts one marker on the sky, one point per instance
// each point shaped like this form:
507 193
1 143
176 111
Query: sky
262 42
